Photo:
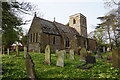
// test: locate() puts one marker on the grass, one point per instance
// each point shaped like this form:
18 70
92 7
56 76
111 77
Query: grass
14 67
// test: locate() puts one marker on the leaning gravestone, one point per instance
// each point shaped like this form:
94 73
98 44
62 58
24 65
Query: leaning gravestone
30 67
56 52
116 58
72 54
65 56
25 51
8 51
47 55
83 54
60 59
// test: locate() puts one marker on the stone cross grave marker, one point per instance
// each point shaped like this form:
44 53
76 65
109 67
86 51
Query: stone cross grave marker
65 55
47 55
116 58
72 54
30 67
56 52
60 59
8 51
25 51
83 54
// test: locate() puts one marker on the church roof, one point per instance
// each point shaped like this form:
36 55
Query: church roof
66 29
48 27
56 28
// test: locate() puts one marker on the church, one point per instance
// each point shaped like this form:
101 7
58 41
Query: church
43 32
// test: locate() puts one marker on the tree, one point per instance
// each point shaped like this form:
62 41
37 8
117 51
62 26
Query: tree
109 23
11 21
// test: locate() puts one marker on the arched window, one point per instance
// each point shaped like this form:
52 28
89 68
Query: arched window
67 43
31 38
74 21
53 40
37 37
34 37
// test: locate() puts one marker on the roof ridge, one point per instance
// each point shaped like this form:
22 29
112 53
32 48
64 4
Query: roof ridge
45 19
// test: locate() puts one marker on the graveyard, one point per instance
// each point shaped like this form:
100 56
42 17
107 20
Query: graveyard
14 67
34 47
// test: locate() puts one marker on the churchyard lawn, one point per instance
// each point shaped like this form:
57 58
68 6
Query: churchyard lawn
14 67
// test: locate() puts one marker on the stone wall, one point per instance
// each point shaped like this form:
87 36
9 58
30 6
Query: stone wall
92 44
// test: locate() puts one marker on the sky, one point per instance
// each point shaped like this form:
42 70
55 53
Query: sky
62 9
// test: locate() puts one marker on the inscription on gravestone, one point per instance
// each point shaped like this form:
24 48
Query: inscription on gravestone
60 59
47 55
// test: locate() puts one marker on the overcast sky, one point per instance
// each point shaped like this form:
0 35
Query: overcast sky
62 9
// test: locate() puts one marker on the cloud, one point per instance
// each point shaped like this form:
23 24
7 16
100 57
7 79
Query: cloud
63 1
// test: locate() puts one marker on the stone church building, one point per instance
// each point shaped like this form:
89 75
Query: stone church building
59 36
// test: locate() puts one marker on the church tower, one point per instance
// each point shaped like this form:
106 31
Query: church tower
78 21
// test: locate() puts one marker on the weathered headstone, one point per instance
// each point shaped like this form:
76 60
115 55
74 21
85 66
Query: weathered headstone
30 67
65 56
83 54
72 54
47 55
8 51
116 58
98 56
90 59
25 51
60 59
17 53
104 49
56 52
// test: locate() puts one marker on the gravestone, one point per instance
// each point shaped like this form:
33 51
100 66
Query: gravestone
79 49
90 59
30 67
47 55
116 58
8 51
60 59
56 52
98 56
25 51
83 54
65 56
72 54
17 53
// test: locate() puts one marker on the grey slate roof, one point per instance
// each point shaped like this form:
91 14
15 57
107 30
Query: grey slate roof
48 27
55 27
66 29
